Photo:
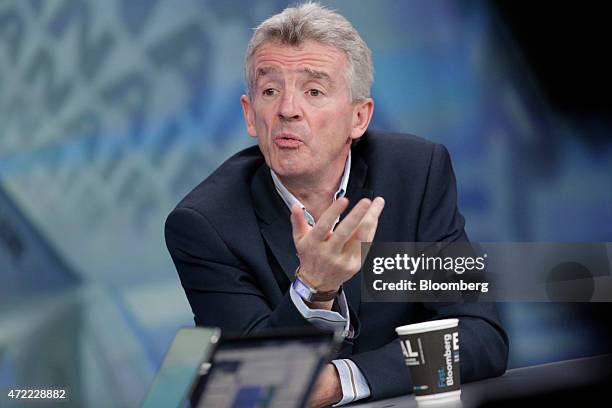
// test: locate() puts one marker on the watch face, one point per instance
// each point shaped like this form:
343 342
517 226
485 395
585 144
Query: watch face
302 289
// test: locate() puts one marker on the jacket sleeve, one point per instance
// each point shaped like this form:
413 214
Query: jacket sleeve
219 287
483 347
483 343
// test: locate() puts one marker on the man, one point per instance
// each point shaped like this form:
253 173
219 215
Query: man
307 196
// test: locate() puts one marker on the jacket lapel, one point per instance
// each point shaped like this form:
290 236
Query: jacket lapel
275 222
356 191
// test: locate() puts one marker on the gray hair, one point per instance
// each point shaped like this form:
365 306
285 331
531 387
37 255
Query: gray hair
311 21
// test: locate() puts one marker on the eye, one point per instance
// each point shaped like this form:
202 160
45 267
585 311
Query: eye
269 92
314 92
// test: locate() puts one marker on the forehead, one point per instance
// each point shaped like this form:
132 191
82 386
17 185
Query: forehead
306 58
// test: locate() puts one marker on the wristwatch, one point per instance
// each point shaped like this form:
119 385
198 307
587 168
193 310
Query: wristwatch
310 294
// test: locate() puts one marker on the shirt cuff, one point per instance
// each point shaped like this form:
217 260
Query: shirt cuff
325 319
353 383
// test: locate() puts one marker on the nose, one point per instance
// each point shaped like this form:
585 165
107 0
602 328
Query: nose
289 107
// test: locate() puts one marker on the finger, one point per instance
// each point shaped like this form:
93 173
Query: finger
352 248
369 223
367 228
328 218
365 233
346 228
299 225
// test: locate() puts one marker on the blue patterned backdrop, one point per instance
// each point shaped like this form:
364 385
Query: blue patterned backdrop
111 111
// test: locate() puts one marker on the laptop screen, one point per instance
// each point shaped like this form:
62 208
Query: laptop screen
189 349
264 373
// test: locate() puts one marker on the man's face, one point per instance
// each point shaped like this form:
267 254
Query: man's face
300 111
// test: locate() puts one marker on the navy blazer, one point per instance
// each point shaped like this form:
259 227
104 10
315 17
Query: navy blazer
230 239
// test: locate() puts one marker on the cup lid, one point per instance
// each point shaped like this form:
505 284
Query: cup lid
427 326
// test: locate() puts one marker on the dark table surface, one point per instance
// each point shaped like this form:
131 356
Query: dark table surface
562 383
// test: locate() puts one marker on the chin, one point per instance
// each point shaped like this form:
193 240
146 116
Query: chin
284 172
287 169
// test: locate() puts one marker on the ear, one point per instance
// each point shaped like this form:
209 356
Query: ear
362 114
249 115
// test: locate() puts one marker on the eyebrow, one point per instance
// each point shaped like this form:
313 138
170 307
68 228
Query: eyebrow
263 71
314 74
311 73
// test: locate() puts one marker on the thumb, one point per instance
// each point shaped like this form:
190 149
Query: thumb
298 223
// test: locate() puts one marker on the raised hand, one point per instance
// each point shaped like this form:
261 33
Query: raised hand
330 258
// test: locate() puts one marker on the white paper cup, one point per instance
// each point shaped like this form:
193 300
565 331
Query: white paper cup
431 352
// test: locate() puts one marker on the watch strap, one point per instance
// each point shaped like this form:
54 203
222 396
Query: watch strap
309 293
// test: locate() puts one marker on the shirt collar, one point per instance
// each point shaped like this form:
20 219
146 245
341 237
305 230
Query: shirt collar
290 199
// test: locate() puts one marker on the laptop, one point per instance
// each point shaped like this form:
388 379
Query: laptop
187 357
277 369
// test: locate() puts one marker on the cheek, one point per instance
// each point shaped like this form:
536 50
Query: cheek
336 127
261 125
264 139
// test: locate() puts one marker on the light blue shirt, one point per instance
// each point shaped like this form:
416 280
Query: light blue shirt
353 383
